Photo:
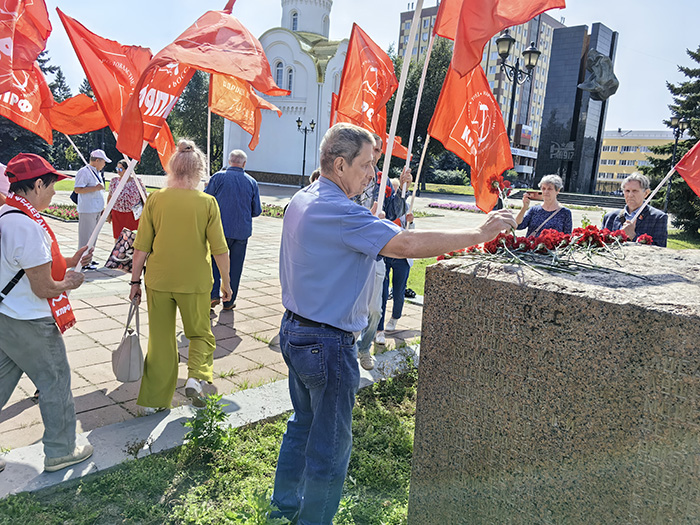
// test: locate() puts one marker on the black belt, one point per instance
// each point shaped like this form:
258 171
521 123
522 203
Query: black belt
303 321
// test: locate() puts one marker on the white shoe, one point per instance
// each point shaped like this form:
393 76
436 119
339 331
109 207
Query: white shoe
367 361
193 390
380 339
391 325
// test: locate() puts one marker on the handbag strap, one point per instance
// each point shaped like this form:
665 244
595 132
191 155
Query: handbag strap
133 309
13 282
545 222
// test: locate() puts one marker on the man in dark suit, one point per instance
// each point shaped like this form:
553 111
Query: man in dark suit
651 221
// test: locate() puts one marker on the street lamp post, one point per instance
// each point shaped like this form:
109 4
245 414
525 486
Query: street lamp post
515 74
679 125
305 130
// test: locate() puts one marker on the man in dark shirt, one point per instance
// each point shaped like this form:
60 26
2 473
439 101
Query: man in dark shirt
650 221
239 200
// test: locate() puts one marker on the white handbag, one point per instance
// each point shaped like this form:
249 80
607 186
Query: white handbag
127 359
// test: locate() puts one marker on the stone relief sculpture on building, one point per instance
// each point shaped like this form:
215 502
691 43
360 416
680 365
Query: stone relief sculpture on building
602 83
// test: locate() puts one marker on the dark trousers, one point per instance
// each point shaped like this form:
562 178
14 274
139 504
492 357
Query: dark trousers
399 269
236 253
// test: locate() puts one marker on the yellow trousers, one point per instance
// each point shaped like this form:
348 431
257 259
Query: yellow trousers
160 368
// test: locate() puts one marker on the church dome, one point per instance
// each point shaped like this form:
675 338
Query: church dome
309 16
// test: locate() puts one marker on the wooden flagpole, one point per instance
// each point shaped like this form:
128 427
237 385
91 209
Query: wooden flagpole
397 104
415 114
420 167
76 149
208 142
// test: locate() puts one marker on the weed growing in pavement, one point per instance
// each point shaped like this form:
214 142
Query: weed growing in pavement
134 447
261 338
206 432
230 373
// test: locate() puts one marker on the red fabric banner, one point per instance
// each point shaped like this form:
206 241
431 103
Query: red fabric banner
366 85
216 43
236 101
468 122
24 29
479 20
111 68
76 115
27 100
447 18
689 168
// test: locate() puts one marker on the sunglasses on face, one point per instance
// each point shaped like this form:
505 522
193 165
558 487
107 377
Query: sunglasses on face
120 169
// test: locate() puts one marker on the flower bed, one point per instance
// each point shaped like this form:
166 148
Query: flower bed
455 206
63 212
272 210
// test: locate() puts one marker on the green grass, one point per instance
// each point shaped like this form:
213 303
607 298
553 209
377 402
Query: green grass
447 189
416 279
232 483
680 240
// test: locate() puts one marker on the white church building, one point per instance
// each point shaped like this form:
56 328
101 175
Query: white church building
309 65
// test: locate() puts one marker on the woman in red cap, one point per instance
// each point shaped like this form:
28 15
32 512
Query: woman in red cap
34 306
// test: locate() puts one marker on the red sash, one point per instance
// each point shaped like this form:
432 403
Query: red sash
60 307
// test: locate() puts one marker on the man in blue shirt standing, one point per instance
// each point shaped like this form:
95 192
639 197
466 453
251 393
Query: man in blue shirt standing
327 254
239 200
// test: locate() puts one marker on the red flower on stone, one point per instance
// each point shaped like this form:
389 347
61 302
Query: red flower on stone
644 238
495 183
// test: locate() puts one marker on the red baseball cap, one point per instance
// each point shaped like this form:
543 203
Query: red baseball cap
27 166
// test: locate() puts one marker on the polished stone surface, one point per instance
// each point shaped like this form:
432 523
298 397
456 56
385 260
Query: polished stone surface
552 398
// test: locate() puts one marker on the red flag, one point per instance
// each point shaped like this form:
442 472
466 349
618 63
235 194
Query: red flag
334 108
367 82
216 43
689 168
479 20
447 18
468 122
24 29
76 115
27 100
236 101
164 144
111 68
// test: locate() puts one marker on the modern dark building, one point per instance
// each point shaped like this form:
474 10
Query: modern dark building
573 123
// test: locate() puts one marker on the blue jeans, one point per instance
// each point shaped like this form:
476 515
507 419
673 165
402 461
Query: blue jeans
315 452
236 254
399 278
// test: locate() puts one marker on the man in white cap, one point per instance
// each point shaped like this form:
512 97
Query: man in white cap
90 185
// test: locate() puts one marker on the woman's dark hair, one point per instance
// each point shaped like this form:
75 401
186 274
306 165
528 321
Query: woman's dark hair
25 186
124 164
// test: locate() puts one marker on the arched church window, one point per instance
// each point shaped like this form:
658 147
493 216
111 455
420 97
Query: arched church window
295 21
336 83
325 25
290 80
279 74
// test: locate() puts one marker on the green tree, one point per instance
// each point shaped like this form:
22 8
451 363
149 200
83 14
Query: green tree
189 119
61 149
683 203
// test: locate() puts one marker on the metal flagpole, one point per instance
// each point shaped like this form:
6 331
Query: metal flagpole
651 195
397 104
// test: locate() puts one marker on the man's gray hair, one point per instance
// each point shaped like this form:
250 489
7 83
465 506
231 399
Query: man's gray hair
237 157
343 140
554 180
642 179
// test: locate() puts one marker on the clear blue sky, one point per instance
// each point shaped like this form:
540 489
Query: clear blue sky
653 37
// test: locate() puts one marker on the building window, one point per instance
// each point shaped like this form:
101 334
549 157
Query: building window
432 22
425 37
279 74
326 24
290 80
644 149
295 21
609 148
628 149
405 40
426 21
627 162
336 83
408 26
607 162
492 70
494 55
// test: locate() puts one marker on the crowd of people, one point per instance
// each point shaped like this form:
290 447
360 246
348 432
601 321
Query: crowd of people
195 244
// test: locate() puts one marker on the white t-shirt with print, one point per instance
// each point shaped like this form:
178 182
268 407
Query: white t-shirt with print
23 244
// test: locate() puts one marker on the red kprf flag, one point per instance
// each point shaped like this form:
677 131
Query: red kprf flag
76 115
689 168
27 100
447 18
468 122
479 20
111 68
216 43
236 101
24 29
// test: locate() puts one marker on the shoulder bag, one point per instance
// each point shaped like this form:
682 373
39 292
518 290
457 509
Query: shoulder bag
127 359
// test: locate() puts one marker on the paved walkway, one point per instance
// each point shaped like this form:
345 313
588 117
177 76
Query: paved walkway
247 355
